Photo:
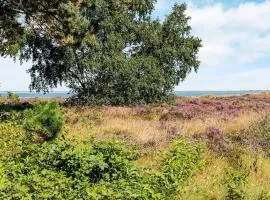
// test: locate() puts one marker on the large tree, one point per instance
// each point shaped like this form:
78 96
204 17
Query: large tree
105 51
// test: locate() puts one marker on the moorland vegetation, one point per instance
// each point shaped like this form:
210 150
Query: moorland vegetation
198 148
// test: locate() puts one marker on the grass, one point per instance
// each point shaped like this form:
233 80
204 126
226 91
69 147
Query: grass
147 127
227 122
146 124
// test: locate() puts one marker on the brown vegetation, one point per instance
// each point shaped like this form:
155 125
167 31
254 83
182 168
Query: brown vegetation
154 126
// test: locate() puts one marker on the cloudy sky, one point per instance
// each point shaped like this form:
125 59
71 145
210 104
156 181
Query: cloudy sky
235 53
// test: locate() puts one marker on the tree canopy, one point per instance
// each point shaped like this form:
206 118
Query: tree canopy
105 51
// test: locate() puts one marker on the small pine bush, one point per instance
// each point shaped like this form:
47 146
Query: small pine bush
45 119
12 97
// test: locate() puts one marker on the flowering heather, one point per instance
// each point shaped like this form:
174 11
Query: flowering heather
216 140
234 130
225 108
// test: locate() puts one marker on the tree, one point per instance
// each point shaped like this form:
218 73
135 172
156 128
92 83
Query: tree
105 51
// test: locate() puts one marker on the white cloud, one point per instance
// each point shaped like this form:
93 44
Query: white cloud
240 34
231 36
254 79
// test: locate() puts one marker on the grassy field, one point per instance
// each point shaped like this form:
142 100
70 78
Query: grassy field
234 132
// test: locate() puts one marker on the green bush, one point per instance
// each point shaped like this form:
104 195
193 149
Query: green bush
59 170
45 119
96 170
14 98
179 165
11 135
234 184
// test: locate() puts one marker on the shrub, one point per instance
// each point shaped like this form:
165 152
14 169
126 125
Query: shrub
59 170
234 184
13 112
179 165
96 170
12 97
10 137
256 136
45 119
217 141
260 133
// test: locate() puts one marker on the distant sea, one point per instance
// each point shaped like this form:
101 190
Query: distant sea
217 93
25 94
64 94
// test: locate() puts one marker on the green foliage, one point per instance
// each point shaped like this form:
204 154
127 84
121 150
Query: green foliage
9 116
106 52
58 170
179 165
13 111
234 183
96 170
44 118
236 175
264 196
10 138
12 97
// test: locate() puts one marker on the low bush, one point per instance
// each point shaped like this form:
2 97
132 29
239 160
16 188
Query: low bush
59 170
256 137
260 133
115 100
12 97
234 184
217 141
97 170
44 119
179 165
11 136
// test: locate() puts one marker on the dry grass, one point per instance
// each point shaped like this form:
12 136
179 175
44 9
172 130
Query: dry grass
208 184
258 180
154 126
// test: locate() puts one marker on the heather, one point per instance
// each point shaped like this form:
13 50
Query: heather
197 148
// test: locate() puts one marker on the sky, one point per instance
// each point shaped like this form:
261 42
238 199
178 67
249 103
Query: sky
235 53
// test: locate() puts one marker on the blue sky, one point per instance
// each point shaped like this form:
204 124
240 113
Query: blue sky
235 53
